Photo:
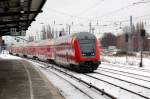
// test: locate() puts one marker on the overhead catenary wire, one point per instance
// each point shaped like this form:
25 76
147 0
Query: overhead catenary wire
92 7
66 14
98 18
120 9
97 4
117 22
123 8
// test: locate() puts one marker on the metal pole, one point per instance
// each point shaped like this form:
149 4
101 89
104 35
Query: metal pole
126 40
130 35
126 52
90 26
93 30
142 45
69 29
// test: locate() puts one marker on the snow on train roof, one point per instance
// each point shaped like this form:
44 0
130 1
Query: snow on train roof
61 40
18 45
56 41
35 43
68 38
44 42
86 35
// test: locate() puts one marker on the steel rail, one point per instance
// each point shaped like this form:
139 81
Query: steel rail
119 87
125 72
123 80
72 84
124 75
131 68
78 79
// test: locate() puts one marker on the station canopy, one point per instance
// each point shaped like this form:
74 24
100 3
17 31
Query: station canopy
17 15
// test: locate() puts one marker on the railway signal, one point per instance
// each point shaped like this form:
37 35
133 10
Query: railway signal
126 37
142 31
126 40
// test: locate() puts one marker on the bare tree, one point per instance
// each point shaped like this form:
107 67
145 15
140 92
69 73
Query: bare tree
50 34
135 37
43 33
31 38
108 39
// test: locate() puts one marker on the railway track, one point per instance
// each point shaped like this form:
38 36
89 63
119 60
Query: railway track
65 73
131 87
74 85
102 90
126 74
127 67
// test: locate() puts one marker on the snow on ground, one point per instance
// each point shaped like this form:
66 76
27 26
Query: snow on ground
130 61
108 88
65 88
5 55
135 70
125 74
113 61
69 92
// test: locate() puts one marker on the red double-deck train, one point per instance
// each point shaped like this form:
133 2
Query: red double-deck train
79 51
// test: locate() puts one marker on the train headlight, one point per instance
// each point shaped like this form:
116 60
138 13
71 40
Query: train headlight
83 54
93 54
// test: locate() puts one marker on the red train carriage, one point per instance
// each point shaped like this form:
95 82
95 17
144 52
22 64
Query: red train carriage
44 50
78 51
16 49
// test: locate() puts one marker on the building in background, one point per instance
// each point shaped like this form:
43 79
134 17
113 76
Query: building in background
10 40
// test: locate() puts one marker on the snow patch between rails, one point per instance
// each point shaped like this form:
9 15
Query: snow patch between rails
129 61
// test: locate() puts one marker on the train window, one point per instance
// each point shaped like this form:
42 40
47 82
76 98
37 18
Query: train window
86 41
87 47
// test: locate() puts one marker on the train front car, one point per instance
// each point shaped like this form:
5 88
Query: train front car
87 52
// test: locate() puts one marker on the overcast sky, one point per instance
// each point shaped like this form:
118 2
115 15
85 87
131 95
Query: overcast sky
100 12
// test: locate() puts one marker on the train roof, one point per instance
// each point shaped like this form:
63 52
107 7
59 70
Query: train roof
44 42
60 40
68 38
87 35
18 45
35 43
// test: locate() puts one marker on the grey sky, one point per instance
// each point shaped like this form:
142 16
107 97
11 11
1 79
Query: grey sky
98 11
